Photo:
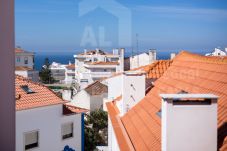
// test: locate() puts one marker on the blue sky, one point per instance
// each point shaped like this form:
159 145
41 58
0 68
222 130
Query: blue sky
167 25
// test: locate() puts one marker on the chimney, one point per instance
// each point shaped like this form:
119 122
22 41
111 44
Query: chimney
172 55
122 56
97 51
133 89
85 51
115 52
189 122
152 55
226 50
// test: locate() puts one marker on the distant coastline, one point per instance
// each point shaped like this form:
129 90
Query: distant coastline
64 58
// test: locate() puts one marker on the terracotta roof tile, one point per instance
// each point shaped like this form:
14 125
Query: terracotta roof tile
119 130
189 72
71 66
154 70
20 50
96 88
42 96
75 109
104 63
21 68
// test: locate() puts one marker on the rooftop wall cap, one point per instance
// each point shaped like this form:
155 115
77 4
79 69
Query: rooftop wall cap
188 96
134 73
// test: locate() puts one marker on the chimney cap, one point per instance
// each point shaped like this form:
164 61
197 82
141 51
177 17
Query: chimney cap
187 96
134 73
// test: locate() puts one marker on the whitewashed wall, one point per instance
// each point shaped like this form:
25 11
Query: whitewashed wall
48 121
32 75
22 57
82 99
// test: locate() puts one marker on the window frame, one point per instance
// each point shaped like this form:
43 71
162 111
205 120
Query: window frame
38 140
18 59
69 137
26 60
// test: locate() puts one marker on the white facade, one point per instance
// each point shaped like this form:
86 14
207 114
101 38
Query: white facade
189 125
97 65
131 86
142 59
30 74
84 100
58 71
69 75
217 52
24 59
48 122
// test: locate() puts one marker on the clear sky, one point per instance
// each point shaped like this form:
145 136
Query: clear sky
167 25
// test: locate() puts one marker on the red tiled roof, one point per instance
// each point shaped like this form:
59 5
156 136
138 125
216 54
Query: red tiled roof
104 63
119 130
75 109
96 88
42 96
93 52
224 146
189 72
71 66
21 68
156 69
19 50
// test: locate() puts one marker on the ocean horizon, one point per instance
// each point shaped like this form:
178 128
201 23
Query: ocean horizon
66 57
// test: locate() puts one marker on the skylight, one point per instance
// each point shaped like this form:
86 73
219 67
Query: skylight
27 89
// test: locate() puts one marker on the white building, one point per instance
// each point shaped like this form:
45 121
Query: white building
217 52
143 59
24 64
58 71
70 74
44 121
27 73
24 58
90 98
95 64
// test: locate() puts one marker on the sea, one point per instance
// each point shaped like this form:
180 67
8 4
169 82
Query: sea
66 57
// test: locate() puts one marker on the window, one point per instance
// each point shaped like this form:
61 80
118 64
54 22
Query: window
27 89
31 140
67 130
18 59
26 60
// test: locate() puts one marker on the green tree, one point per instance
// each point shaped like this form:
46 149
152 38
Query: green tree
96 129
45 73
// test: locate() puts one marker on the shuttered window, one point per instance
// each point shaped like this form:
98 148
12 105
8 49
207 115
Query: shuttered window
67 130
31 140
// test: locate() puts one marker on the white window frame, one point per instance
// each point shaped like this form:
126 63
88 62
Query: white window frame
72 131
25 60
38 141
18 59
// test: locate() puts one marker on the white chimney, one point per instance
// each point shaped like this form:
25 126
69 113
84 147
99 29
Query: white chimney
152 55
172 55
122 56
189 122
115 52
97 50
133 88
85 51
226 50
